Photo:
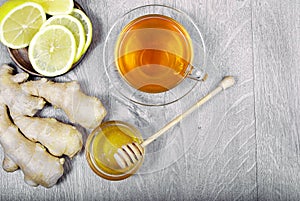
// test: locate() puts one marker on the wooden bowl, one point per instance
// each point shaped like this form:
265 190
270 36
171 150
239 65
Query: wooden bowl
21 59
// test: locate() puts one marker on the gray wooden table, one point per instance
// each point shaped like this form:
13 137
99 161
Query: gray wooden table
243 145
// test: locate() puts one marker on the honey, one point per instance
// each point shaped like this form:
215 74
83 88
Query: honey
104 142
153 53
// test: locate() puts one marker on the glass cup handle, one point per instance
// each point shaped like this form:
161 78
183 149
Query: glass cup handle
196 74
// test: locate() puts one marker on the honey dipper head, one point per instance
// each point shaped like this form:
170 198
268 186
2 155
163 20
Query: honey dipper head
129 155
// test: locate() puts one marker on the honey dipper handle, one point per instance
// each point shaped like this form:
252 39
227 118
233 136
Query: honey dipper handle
227 82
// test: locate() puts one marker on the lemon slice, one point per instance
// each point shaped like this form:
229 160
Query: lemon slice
52 50
74 26
19 22
87 25
56 7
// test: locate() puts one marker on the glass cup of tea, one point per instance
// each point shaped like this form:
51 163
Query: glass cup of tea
154 55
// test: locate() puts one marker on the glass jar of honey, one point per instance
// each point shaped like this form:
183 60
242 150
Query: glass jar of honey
104 142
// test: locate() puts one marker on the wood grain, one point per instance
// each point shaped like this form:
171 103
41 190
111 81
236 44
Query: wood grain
276 32
225 154
242 145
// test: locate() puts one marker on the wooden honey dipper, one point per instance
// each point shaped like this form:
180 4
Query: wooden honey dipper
129 154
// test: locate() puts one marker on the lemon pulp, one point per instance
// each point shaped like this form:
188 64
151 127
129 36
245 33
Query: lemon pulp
52 50
56 7
74 26
16 31
87 25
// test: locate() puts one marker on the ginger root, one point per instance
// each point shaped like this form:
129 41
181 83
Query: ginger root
38 166
59 138
14 97
80 108
23 136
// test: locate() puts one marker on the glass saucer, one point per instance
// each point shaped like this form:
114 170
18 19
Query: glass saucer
153 99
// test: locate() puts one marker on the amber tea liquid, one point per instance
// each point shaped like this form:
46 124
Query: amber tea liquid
153 53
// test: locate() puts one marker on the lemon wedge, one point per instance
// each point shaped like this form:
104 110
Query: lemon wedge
74 26
52 50
56 7
19 22
87 25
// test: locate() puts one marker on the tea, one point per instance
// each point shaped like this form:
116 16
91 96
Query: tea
153 53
